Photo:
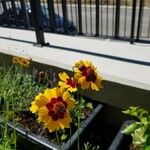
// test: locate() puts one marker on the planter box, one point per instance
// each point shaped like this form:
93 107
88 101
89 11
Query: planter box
30 140
122 141
106 136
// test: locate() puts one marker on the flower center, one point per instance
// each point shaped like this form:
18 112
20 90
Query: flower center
71 83
82 68
42 74
57 108
24 62
89 73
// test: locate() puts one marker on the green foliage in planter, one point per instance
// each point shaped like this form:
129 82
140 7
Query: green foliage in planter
139 130
17 89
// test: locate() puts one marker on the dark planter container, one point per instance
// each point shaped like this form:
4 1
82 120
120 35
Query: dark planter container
32 141
122 141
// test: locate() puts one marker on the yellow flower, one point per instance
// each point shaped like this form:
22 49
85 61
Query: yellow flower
53 108
67 82
21 61
87 76
24 62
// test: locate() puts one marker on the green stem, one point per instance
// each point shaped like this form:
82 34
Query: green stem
79 118
58 141
70 135
79 132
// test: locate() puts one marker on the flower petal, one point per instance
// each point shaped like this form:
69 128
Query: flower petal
41 100
65 122
71 89
63 76
84 84
51 93
94 86
63 84
70 101
43 115
33 108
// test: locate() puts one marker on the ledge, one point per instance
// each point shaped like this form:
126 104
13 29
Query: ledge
117 61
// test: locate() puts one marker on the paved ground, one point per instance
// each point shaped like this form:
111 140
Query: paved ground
106 19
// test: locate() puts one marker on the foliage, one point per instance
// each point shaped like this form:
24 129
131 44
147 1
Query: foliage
88 146
17 88
139 130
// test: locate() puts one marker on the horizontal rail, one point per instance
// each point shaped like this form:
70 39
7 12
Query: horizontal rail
113 19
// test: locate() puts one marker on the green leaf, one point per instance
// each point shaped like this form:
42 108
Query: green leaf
130 128
136 111
132 110
89 105
147 143
139 137
147 148
144 121
63 137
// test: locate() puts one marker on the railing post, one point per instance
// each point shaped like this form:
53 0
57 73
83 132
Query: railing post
51 14
97 17
36 13
64 10
117 19
25 14
5 10
4 5
14 12
140 19
80 16
133 22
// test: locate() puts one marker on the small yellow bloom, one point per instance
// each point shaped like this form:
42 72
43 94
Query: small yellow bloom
53 108
87 76
24 62
67 82
21 61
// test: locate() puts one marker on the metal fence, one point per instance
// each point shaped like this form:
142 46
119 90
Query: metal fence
116 19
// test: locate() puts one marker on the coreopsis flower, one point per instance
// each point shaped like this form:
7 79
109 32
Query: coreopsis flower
86 75
24 62
67 82
53 108
21 61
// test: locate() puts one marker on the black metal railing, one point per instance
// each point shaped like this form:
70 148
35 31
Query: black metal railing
118 19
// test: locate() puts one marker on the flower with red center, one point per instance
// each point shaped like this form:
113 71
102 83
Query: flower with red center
67 82
21 61
87 76
53 108
24 62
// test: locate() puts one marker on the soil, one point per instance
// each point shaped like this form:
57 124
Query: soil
28 121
